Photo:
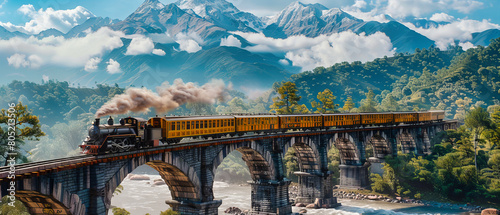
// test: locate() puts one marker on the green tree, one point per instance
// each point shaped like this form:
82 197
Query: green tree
326 102
369 104
477 120
18 209
291 164
286 100
26 127
348 104
169 212
120 211
118 190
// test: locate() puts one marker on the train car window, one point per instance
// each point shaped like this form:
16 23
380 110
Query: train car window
213 124
218 123
173 126
183 126
197 125
178 125
188 125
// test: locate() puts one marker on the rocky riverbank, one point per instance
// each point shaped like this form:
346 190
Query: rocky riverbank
360 196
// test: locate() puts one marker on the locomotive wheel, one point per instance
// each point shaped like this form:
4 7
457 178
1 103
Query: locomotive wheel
114 148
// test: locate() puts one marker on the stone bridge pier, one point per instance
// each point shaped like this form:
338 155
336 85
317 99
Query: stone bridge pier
314 179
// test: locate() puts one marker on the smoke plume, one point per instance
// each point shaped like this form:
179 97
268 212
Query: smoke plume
168 97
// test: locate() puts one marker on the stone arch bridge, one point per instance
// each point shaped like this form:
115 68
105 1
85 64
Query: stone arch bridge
85 184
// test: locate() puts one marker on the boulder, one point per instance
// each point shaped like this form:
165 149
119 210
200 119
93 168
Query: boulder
300 205
490 211
303 211
138 177
158 182
373 197
311 206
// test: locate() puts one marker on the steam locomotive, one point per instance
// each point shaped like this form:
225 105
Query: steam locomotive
135 133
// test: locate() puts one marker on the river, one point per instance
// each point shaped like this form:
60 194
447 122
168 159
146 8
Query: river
140 197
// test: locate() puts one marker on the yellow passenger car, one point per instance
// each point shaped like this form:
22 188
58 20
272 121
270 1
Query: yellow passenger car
300 121
405 117
424 116
179 127
437 115
246 123
349 119
376 118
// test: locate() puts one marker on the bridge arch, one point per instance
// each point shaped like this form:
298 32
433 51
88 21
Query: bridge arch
406 143
348 151
181 178
380 144
38 204
306 152
258 160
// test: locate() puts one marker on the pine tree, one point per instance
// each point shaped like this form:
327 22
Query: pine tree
348 104
325 104
283 104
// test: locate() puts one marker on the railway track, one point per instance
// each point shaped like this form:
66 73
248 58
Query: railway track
20 169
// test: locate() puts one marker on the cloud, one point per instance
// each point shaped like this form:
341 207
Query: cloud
164 38
45 78
230 41
442 17
113 67
92 64
73 52
62 20
140 45
460 30
467 45
189 42
324 50
418 8
159 52
20 60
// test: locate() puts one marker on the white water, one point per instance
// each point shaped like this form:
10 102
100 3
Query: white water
140 197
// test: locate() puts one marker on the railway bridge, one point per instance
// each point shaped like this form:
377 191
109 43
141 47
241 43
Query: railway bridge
85 184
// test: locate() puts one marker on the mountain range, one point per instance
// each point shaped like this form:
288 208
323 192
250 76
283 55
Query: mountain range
204 24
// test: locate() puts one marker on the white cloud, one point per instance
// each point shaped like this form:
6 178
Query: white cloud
113 67
230 41
442 17
284 62
189 42
418 8
159 52
359 4
467 45
20 60
45 78
140 45
62 20
324 50
73 52
460 30
92 64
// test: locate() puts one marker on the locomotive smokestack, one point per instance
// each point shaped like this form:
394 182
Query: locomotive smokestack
96 122
110 121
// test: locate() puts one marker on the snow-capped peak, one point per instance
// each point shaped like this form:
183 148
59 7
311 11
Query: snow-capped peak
331 12
223 14
150 5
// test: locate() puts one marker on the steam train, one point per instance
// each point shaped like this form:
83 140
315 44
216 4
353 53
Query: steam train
135 133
